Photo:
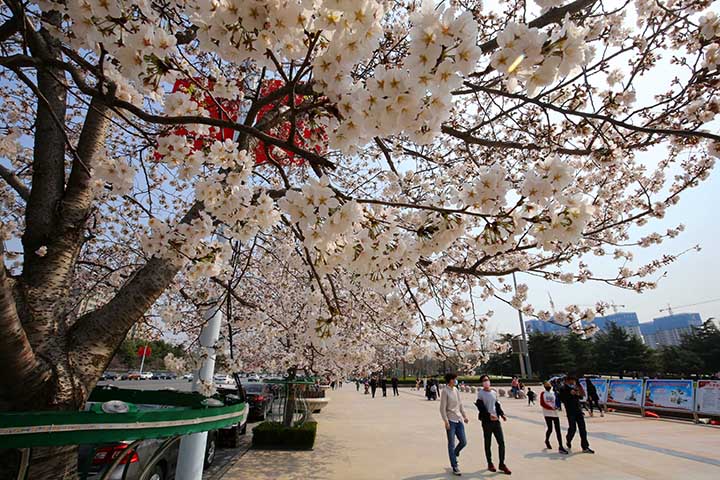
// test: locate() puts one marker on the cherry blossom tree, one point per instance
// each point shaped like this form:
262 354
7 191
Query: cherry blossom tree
381 156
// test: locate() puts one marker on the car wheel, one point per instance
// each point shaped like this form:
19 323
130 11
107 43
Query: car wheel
157 473
210 450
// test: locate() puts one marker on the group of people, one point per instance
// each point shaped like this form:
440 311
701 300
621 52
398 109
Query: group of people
371 384
490 412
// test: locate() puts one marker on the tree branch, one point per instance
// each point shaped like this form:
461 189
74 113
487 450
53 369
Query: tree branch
15 182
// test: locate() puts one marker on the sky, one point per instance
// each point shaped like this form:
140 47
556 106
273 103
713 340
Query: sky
692 278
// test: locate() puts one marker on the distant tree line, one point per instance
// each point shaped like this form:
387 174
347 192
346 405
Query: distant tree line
614 352
127 355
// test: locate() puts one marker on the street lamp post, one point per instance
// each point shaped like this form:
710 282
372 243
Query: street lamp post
525 356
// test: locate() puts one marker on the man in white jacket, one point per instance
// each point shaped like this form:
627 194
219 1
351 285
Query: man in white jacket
453 415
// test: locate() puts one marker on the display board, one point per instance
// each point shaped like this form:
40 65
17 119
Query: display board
669 395
601 385
708 397
625 392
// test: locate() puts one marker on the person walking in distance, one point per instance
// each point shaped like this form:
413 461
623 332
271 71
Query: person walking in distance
592 397
395 383
383 385
570 394
490 413
552 418
373 386
453 414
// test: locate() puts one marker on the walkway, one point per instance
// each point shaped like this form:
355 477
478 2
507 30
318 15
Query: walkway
403 439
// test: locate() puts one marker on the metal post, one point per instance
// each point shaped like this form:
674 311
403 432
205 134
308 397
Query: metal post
192 447
142 362
525 354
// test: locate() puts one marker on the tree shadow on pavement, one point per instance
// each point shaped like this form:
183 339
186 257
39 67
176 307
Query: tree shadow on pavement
287 464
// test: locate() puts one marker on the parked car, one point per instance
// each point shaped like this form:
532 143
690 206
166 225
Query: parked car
259 398
164 376
146 376
188 377
94 460
231 436
132 375
109 376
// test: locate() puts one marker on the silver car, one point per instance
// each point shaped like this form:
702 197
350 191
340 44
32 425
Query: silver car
95 460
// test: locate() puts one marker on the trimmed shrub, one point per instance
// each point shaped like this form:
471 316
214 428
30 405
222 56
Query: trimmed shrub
276 435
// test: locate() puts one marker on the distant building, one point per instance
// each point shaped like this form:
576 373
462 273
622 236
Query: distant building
541 326
669 330
628 321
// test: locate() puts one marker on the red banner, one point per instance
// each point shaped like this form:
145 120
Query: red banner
144 351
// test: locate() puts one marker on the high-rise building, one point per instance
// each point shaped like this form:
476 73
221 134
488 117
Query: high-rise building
669 330
628 321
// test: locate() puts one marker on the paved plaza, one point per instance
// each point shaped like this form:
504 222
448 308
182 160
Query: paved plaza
403 438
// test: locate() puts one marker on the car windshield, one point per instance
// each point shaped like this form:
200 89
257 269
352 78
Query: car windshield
254 387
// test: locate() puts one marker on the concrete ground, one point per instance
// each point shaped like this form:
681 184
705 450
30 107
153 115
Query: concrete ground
403 438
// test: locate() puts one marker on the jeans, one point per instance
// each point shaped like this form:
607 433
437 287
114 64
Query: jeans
457 429
491 428
395 391
550 421
577 422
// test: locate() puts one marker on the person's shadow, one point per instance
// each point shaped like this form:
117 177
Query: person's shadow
549 455
448 474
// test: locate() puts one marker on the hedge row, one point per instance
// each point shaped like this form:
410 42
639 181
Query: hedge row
277 435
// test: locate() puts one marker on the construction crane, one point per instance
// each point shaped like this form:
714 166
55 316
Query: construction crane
669 308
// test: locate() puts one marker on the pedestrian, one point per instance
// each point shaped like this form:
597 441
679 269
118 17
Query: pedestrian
489 413
453 414
373 386
395 383
417 384
552 418
332 384
531 396
383 385
366 384
514 387
592 397
570 395
433 390
357 384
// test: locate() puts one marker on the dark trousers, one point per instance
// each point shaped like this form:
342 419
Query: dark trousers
395 391
577 422
384 389
372 389
491 428
550 421
593 401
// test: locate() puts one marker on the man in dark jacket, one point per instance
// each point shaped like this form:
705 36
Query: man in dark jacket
570 395
395 383
383 385
489 413
373 386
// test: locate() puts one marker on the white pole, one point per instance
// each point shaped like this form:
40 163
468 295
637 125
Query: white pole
192 447
142 362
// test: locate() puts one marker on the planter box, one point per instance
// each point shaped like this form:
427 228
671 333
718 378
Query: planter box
317 404
272 435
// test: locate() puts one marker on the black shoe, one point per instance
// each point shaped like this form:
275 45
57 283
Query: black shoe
588 450
547 444
562 450
456 471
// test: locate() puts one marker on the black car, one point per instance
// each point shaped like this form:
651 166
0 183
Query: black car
259 397
110 376
164 376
